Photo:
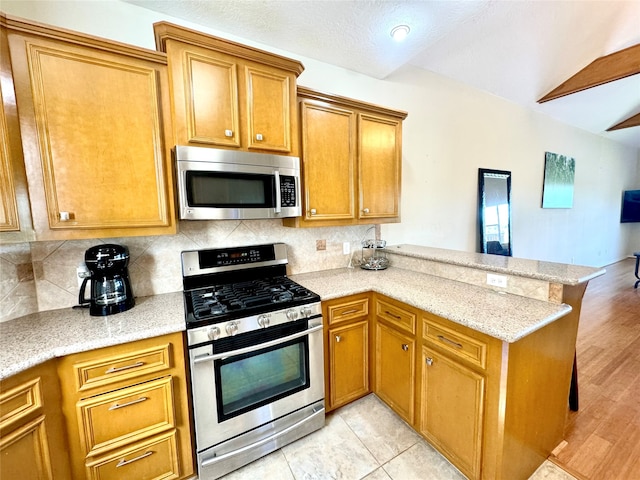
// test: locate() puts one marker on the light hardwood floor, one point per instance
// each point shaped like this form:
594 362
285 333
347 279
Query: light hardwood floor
603 437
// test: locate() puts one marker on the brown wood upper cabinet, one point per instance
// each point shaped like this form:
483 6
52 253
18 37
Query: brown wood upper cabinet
351 159
15 211
92 124
229 95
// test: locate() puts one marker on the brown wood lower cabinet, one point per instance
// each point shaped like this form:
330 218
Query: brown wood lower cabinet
495 409
346 350
395 370
153 458
32 442
395 355
452 412
127 411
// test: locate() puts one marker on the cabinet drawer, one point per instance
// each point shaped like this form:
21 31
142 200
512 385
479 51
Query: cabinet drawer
155 458
19 402
397 316
105 370
110 420
460 345
349 310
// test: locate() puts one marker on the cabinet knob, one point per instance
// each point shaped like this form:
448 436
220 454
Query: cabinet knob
228 133
365 210
405 347
65 216
338 338
259 137
312 211
428 361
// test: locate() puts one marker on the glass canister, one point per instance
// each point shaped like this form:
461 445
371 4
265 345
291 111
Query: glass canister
373 255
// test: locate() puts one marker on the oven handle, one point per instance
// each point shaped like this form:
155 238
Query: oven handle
253 348
271 438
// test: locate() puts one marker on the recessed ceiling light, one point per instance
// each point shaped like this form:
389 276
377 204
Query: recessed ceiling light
400 32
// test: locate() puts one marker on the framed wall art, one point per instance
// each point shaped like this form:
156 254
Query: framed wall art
559 175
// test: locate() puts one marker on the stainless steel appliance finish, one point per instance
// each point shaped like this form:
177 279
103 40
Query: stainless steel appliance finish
216 184
255 342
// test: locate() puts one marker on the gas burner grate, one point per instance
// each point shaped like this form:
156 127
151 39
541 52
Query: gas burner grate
216 300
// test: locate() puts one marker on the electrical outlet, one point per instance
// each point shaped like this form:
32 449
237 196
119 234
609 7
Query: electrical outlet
496 280
346 248
321 244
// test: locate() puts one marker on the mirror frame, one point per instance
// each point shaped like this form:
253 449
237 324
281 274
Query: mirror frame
482 172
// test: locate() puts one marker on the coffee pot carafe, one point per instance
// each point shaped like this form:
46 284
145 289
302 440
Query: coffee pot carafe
110 285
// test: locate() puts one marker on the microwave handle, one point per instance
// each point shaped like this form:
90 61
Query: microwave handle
278 208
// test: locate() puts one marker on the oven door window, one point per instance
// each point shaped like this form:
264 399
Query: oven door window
249 381
229 190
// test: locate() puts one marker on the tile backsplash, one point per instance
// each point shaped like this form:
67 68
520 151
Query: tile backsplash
41 276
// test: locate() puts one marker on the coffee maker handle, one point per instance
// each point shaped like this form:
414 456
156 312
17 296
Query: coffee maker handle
81 300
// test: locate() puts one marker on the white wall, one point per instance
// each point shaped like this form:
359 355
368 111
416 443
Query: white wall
451 131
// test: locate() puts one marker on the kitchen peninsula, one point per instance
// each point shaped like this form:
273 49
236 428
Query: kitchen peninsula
514 346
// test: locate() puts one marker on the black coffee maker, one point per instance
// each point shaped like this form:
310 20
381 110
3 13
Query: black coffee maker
110 285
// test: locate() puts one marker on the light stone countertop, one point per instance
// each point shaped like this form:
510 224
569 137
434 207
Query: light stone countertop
501 315
33 339
549 271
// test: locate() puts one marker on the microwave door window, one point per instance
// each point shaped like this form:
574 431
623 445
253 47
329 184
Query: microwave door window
225 190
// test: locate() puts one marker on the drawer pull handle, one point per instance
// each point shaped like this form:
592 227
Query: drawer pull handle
446 340
126 367
124 462
392 315
116 406
338 338
428 361
349 312
405 347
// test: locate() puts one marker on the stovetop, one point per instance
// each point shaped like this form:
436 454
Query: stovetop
220 303
237 289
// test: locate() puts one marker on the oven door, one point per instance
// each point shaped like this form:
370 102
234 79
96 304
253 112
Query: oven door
274 372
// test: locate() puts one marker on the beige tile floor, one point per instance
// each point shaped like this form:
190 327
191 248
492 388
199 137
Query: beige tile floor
363 440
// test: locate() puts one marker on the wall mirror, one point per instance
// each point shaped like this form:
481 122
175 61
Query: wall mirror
494 211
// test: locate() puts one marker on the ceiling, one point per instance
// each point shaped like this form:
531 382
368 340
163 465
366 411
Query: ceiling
517 50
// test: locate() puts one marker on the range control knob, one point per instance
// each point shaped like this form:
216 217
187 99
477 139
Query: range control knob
231 328
213 333
292 315
305 312
263 321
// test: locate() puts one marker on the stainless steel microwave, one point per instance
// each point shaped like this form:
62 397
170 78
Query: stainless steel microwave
216 184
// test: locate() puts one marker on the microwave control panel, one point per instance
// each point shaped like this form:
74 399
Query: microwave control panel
287 191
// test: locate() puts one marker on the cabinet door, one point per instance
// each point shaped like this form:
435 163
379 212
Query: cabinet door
15 211
348 362
269 109
25 453
204 93
452 410
8 206
328 153
379 166
32 441
395 370
93 134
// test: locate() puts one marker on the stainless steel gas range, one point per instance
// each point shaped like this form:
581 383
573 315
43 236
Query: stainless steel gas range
255 354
